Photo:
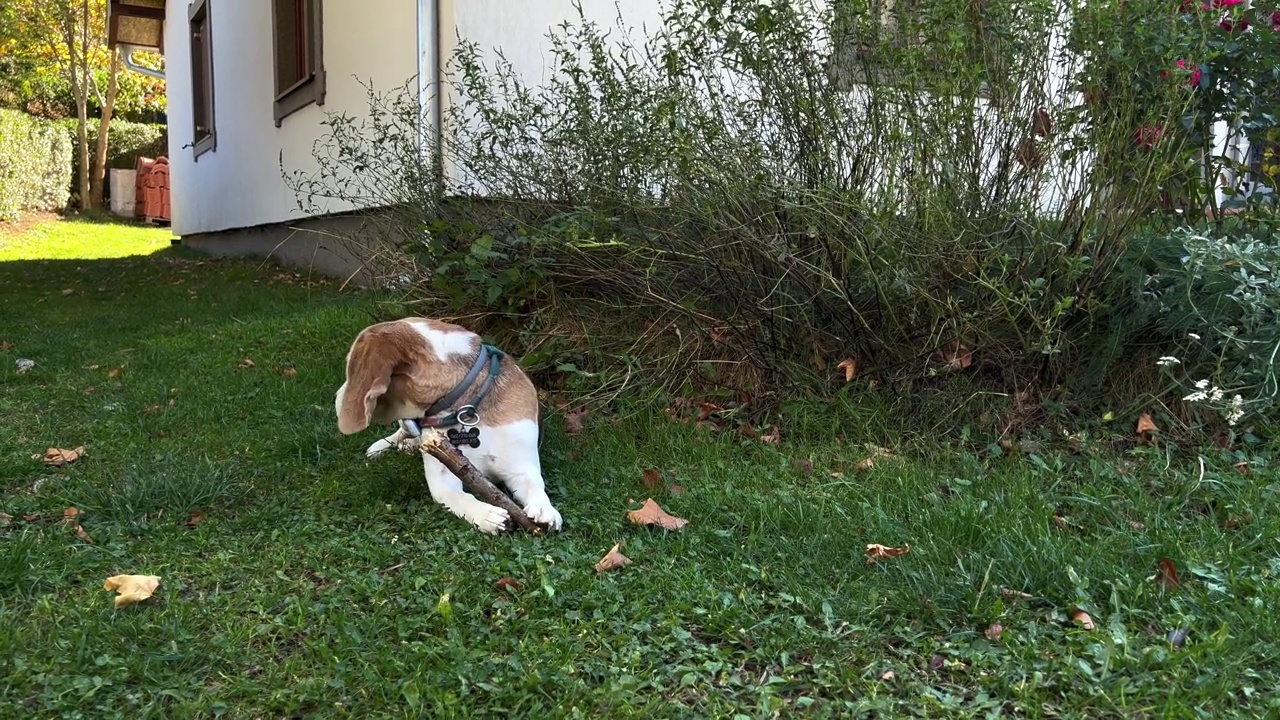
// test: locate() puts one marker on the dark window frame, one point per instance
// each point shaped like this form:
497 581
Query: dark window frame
200 35
305 53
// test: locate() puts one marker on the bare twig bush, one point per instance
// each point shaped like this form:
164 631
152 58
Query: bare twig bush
762 190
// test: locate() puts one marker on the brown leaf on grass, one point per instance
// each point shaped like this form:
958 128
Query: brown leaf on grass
1146 425
876 551
197 517
70 515
993 632
57 456
289 372
573 421
887 675
507 583
114 372
613 560
956 355
1168 574
90 390
5 519
676 489
650 513
1011 594
1136 526
773 437
246 364
5 345
1242 467
31 517
1082 617
652 479
80 533
131 588
869 462
706 410
850 368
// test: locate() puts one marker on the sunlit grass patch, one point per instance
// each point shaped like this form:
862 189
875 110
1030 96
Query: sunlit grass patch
81 239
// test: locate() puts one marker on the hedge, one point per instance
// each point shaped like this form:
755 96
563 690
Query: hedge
35 164
129 141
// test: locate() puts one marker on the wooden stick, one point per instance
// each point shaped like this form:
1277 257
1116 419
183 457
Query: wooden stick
437 445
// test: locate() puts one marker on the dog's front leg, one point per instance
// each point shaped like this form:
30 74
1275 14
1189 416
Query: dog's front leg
399 439
447 490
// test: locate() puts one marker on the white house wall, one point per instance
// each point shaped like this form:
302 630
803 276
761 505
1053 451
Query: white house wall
239 184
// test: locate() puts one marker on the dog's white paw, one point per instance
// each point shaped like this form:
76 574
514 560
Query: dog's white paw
489 519
543 512
379 447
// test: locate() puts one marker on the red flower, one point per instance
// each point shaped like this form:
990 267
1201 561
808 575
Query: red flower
1237 25
1148 136
1275 21
1194 81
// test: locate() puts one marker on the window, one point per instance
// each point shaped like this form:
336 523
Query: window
299 61
206 137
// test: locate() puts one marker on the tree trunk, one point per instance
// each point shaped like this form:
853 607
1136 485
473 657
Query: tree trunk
104 135
78 71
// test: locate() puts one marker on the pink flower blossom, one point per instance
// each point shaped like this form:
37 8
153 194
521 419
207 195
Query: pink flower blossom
1148 136
1194 81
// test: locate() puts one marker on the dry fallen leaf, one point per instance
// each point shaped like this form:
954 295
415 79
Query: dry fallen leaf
773 437
652 514
131 588
876 551
290 372
676 489
1168 574
1011 594
613 560
573 421
5 519
245 364
5 345
993 632
1242 467
850 368
506 583
1083 618
58 456
956 355
887 675
114 372
80 533
652 479
1146 425
70 514
197 517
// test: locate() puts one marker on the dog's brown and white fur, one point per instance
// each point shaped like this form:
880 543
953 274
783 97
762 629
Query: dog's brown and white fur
398 369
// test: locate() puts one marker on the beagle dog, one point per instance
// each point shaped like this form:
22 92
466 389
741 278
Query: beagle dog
419 371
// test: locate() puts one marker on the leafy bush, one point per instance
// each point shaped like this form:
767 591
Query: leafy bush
767 189
128 142
1215 297
35 164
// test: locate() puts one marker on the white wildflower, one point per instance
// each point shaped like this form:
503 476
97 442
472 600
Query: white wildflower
1167 360
1202 384
1196 396
1237 410
1215 395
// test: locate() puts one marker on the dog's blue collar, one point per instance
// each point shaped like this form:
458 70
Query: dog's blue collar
466 415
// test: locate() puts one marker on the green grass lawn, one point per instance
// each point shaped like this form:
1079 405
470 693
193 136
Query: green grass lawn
320 584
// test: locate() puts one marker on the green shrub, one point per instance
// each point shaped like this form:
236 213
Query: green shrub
35 162
129 141
764 190
1215 298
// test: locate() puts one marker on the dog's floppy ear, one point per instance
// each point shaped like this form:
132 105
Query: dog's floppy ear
372 359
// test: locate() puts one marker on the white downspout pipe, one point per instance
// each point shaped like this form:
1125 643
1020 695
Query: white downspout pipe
126 55
430 92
